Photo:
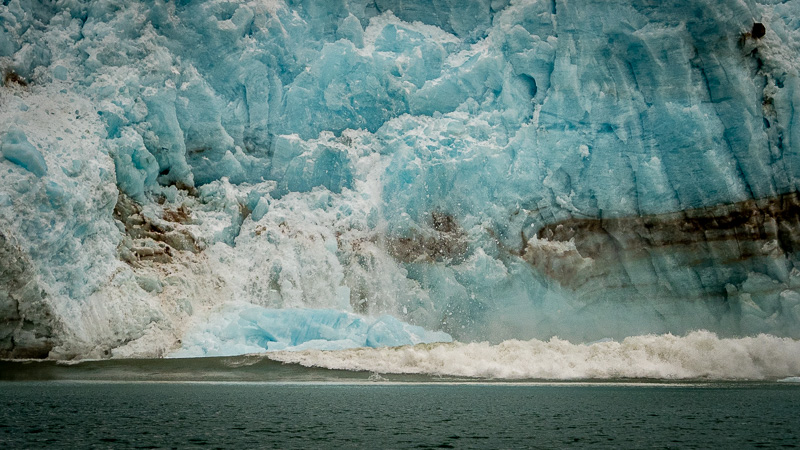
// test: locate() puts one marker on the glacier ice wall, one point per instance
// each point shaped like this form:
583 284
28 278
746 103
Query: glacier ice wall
245 329
490 169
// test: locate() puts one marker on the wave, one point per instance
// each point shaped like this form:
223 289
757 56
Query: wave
698 355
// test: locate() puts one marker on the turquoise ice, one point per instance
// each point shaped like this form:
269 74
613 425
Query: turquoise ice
486 169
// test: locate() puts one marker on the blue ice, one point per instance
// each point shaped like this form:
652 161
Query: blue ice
252 329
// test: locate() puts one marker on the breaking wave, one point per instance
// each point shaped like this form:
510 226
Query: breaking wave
698 355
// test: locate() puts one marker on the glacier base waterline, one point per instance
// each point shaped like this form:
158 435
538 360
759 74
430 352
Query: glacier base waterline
490 171
699 357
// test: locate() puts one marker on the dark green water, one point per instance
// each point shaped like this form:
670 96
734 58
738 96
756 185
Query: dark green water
100 414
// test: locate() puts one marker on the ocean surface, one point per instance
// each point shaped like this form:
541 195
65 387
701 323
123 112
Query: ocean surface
152 404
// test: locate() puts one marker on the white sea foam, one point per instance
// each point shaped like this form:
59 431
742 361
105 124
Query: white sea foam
698 355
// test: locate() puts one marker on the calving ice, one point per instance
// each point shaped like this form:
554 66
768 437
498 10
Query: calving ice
200 178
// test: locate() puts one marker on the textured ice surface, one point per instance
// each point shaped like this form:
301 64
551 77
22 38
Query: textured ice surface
241 329
698 355
489 169
16 148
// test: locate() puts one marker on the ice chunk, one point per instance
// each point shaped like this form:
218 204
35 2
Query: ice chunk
60 72
351 30
136 168
15 147
238 329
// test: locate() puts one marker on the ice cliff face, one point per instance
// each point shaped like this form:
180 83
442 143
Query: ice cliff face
490 169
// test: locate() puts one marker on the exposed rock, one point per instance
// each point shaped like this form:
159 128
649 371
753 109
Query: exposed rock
758 31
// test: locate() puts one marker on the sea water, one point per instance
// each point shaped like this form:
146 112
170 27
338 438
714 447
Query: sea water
279 415
76 406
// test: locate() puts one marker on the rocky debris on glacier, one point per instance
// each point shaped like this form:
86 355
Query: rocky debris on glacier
442 240
150 238
491 169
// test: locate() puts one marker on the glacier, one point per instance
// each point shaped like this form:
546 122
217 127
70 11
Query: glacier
245 329
176 173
